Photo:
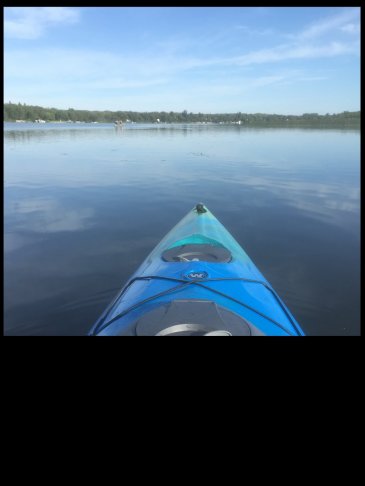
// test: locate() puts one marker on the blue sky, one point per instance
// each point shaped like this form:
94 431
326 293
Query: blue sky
285 60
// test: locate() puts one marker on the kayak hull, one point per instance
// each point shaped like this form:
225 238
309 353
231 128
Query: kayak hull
198 262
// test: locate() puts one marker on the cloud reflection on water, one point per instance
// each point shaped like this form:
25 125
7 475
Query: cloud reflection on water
46 215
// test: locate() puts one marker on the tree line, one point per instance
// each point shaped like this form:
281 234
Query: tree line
19 111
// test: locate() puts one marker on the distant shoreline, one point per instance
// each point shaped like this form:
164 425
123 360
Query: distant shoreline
30 113
172 125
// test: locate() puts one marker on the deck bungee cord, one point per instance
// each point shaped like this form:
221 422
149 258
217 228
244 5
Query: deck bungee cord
186 283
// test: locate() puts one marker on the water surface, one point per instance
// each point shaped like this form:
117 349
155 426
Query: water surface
85 203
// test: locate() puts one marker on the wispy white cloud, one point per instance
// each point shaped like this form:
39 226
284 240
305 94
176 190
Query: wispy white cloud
32 22
351 28
241 85
329 24
295 51
310 43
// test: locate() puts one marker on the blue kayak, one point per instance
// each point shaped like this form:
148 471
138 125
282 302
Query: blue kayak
198 281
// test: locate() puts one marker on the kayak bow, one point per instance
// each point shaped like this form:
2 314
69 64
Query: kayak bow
197 281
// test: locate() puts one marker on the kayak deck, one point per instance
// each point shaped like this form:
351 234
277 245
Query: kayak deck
198 280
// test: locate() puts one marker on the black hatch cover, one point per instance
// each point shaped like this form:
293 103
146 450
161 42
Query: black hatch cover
197 252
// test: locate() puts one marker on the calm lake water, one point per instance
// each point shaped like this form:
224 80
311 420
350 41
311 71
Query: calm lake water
85 203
